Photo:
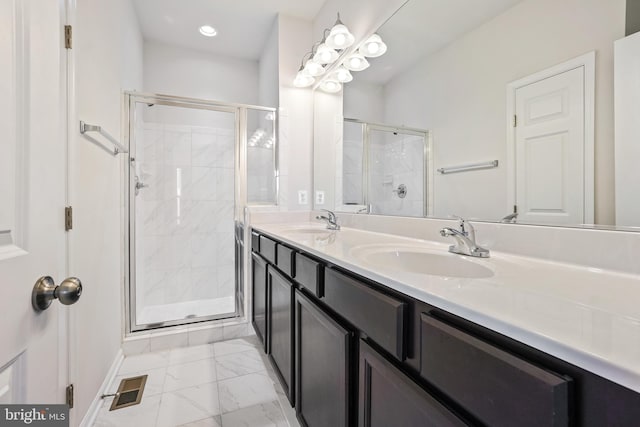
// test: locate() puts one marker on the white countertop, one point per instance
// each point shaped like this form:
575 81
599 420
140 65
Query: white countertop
588 317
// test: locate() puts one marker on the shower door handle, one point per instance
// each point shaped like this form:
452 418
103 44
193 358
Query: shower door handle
45 291
139 185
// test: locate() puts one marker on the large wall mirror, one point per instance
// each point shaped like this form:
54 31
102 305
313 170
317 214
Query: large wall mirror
500 110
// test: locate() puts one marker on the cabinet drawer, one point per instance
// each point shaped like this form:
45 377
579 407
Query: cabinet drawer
268 249
381 317
497 387
285 259
308 273
387 397
255 242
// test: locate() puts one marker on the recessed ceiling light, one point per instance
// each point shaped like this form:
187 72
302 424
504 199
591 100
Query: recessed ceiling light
208 30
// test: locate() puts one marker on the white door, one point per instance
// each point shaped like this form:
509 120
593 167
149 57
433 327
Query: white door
33 346
550 149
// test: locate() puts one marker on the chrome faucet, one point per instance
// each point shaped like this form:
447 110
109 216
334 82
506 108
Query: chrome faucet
465 240
332 220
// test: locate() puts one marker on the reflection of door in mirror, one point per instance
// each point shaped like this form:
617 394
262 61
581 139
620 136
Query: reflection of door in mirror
385 169
552 136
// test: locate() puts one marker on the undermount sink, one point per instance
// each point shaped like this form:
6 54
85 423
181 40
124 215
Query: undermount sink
417 260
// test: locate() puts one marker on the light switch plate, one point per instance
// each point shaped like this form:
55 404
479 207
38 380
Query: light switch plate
303 197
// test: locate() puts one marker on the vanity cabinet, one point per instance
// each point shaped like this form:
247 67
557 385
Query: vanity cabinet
259 300
280 332
365 354
324 350
388 397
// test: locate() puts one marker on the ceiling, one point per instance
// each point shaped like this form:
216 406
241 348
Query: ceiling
423 27
242 25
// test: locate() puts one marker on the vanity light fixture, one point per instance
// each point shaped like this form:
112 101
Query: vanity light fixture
208 31
356 62
327 51
339 36
373 47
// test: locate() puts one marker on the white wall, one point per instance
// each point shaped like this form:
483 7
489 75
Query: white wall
364 101
268 70
190 73
295 114
108 59
459 94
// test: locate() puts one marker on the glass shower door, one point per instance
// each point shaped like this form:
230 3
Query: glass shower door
397 171
182 185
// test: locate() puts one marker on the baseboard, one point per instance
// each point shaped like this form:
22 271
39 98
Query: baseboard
96 404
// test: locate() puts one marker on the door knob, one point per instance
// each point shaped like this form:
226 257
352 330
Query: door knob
45 291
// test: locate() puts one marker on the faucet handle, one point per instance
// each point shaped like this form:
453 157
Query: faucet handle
462 223
332 216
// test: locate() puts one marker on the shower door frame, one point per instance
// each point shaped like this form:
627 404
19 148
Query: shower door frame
240 196
428 177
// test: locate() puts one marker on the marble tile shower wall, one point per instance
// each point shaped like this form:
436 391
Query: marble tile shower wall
391 164
184 217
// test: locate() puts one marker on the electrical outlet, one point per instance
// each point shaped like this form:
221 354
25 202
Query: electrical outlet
319 197
303 197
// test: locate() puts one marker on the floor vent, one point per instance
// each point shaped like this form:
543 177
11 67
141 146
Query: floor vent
129 392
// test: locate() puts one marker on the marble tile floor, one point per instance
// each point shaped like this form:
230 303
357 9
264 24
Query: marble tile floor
224 384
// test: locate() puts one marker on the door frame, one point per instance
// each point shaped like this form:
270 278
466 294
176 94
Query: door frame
428 179
588 63
129 322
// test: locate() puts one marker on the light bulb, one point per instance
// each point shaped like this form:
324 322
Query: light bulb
313 69
303 80
373 47
342 75
340 39
356 62
208 30
330 86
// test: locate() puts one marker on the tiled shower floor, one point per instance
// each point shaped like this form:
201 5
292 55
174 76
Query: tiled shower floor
224 384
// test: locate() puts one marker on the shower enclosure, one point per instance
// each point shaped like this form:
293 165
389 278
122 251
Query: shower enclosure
386 169
187 187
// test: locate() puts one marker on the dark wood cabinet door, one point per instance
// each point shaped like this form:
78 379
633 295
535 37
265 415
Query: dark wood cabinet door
280 315
387 397
495 386
323 353
259 285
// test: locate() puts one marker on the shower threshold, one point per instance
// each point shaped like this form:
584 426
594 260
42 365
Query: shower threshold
188 310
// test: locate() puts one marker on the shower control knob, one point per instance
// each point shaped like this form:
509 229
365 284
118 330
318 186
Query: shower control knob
45 291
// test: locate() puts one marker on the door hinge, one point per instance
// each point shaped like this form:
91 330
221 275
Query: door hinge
515 209
515 121
68 37
70 395
68 218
